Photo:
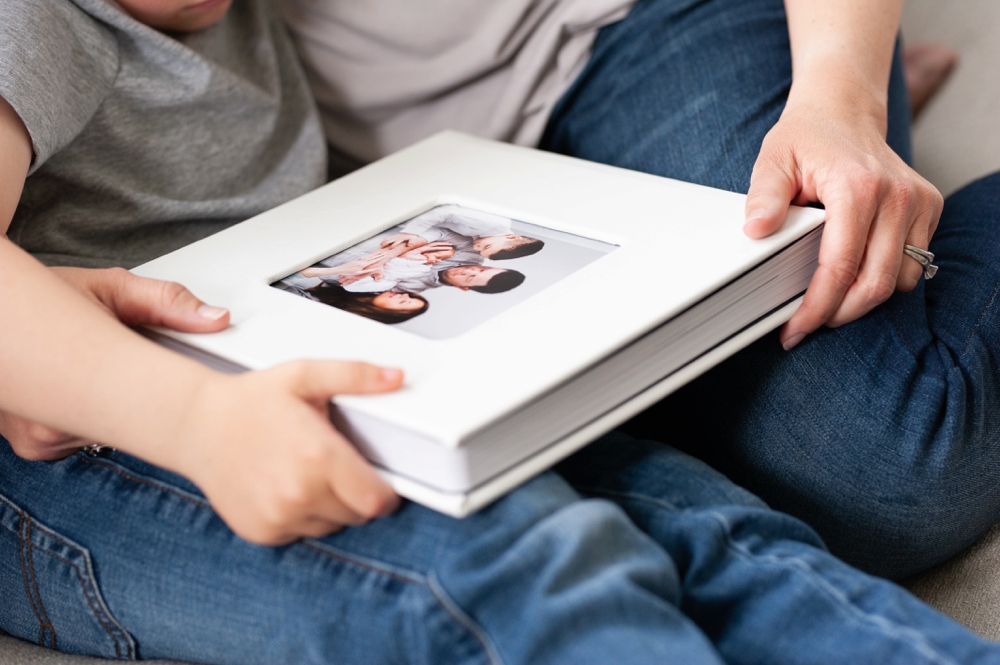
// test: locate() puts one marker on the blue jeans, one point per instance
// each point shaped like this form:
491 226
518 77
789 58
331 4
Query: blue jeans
883 434
629 552
632 552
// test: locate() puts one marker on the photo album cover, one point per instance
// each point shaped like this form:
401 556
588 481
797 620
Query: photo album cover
533 301
444 271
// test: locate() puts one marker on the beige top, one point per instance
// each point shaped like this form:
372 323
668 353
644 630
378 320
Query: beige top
387 73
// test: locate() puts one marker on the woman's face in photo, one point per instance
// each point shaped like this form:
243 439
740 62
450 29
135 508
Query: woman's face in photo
177 15
397 302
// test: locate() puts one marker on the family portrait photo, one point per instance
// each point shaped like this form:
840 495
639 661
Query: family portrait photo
445 271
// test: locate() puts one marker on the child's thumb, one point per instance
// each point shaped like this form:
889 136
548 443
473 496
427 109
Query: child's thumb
142 301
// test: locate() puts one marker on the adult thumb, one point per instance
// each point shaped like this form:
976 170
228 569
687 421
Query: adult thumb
772 189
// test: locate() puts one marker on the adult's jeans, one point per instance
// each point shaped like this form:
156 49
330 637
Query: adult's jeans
881 434
632 553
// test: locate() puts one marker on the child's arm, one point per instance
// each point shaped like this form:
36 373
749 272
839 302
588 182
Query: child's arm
259 445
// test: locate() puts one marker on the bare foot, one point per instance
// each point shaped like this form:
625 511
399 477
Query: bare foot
926 67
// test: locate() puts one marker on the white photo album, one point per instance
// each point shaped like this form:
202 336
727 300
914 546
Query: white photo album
533 300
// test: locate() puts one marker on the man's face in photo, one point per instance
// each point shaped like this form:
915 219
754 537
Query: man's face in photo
490 245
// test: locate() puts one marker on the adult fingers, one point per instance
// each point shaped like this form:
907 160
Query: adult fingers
882 264
850 211
928 215
773 186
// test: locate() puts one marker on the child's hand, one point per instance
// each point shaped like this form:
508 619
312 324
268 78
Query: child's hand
139 301
407 240
134 301
261 447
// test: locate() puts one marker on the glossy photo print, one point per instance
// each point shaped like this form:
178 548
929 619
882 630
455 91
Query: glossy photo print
445 271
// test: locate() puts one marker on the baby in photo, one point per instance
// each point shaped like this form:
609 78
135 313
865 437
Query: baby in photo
476 235
384 269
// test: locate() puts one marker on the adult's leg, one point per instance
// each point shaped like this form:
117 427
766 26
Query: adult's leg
883 433
759 583
880 433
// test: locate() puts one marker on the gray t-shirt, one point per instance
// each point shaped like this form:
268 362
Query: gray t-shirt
145 142
387 73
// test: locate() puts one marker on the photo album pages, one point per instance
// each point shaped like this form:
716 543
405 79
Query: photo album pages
534 301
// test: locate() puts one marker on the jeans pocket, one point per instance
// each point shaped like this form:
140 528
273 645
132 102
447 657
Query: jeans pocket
51 596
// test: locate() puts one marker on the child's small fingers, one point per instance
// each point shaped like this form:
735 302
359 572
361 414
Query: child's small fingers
319 380
142 301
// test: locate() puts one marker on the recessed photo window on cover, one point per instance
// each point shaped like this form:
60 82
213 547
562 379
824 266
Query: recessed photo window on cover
444 271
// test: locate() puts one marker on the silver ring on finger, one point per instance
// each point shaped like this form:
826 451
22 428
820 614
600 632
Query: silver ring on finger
924 258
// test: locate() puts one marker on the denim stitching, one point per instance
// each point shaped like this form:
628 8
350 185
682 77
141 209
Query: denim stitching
323 549
89 585
900 633
463 619
145 481
97 611
628 496
979 321
27 587
46 623
367 564
429 582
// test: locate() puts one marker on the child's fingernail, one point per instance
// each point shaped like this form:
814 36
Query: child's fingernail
754 215
211 313
792 341
391 375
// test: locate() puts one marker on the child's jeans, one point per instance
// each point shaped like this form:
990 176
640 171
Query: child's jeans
631 553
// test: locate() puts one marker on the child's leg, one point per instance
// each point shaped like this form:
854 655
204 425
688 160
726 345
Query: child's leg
112 557
760 583
880 434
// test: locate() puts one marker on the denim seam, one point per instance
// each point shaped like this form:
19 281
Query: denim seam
146 481
371 566
979 321
642 498
901 634
97 611
463 619
46 623
27 585
428 582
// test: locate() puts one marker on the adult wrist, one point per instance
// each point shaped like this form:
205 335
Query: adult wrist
834 94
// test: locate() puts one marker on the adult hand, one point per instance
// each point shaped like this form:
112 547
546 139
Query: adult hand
261 447
133 301
824 149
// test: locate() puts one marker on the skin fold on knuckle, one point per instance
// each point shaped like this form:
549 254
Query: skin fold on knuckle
173 294
842 272
359 376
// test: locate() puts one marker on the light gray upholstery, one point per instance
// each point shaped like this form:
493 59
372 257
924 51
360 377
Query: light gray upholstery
956 141
17 652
